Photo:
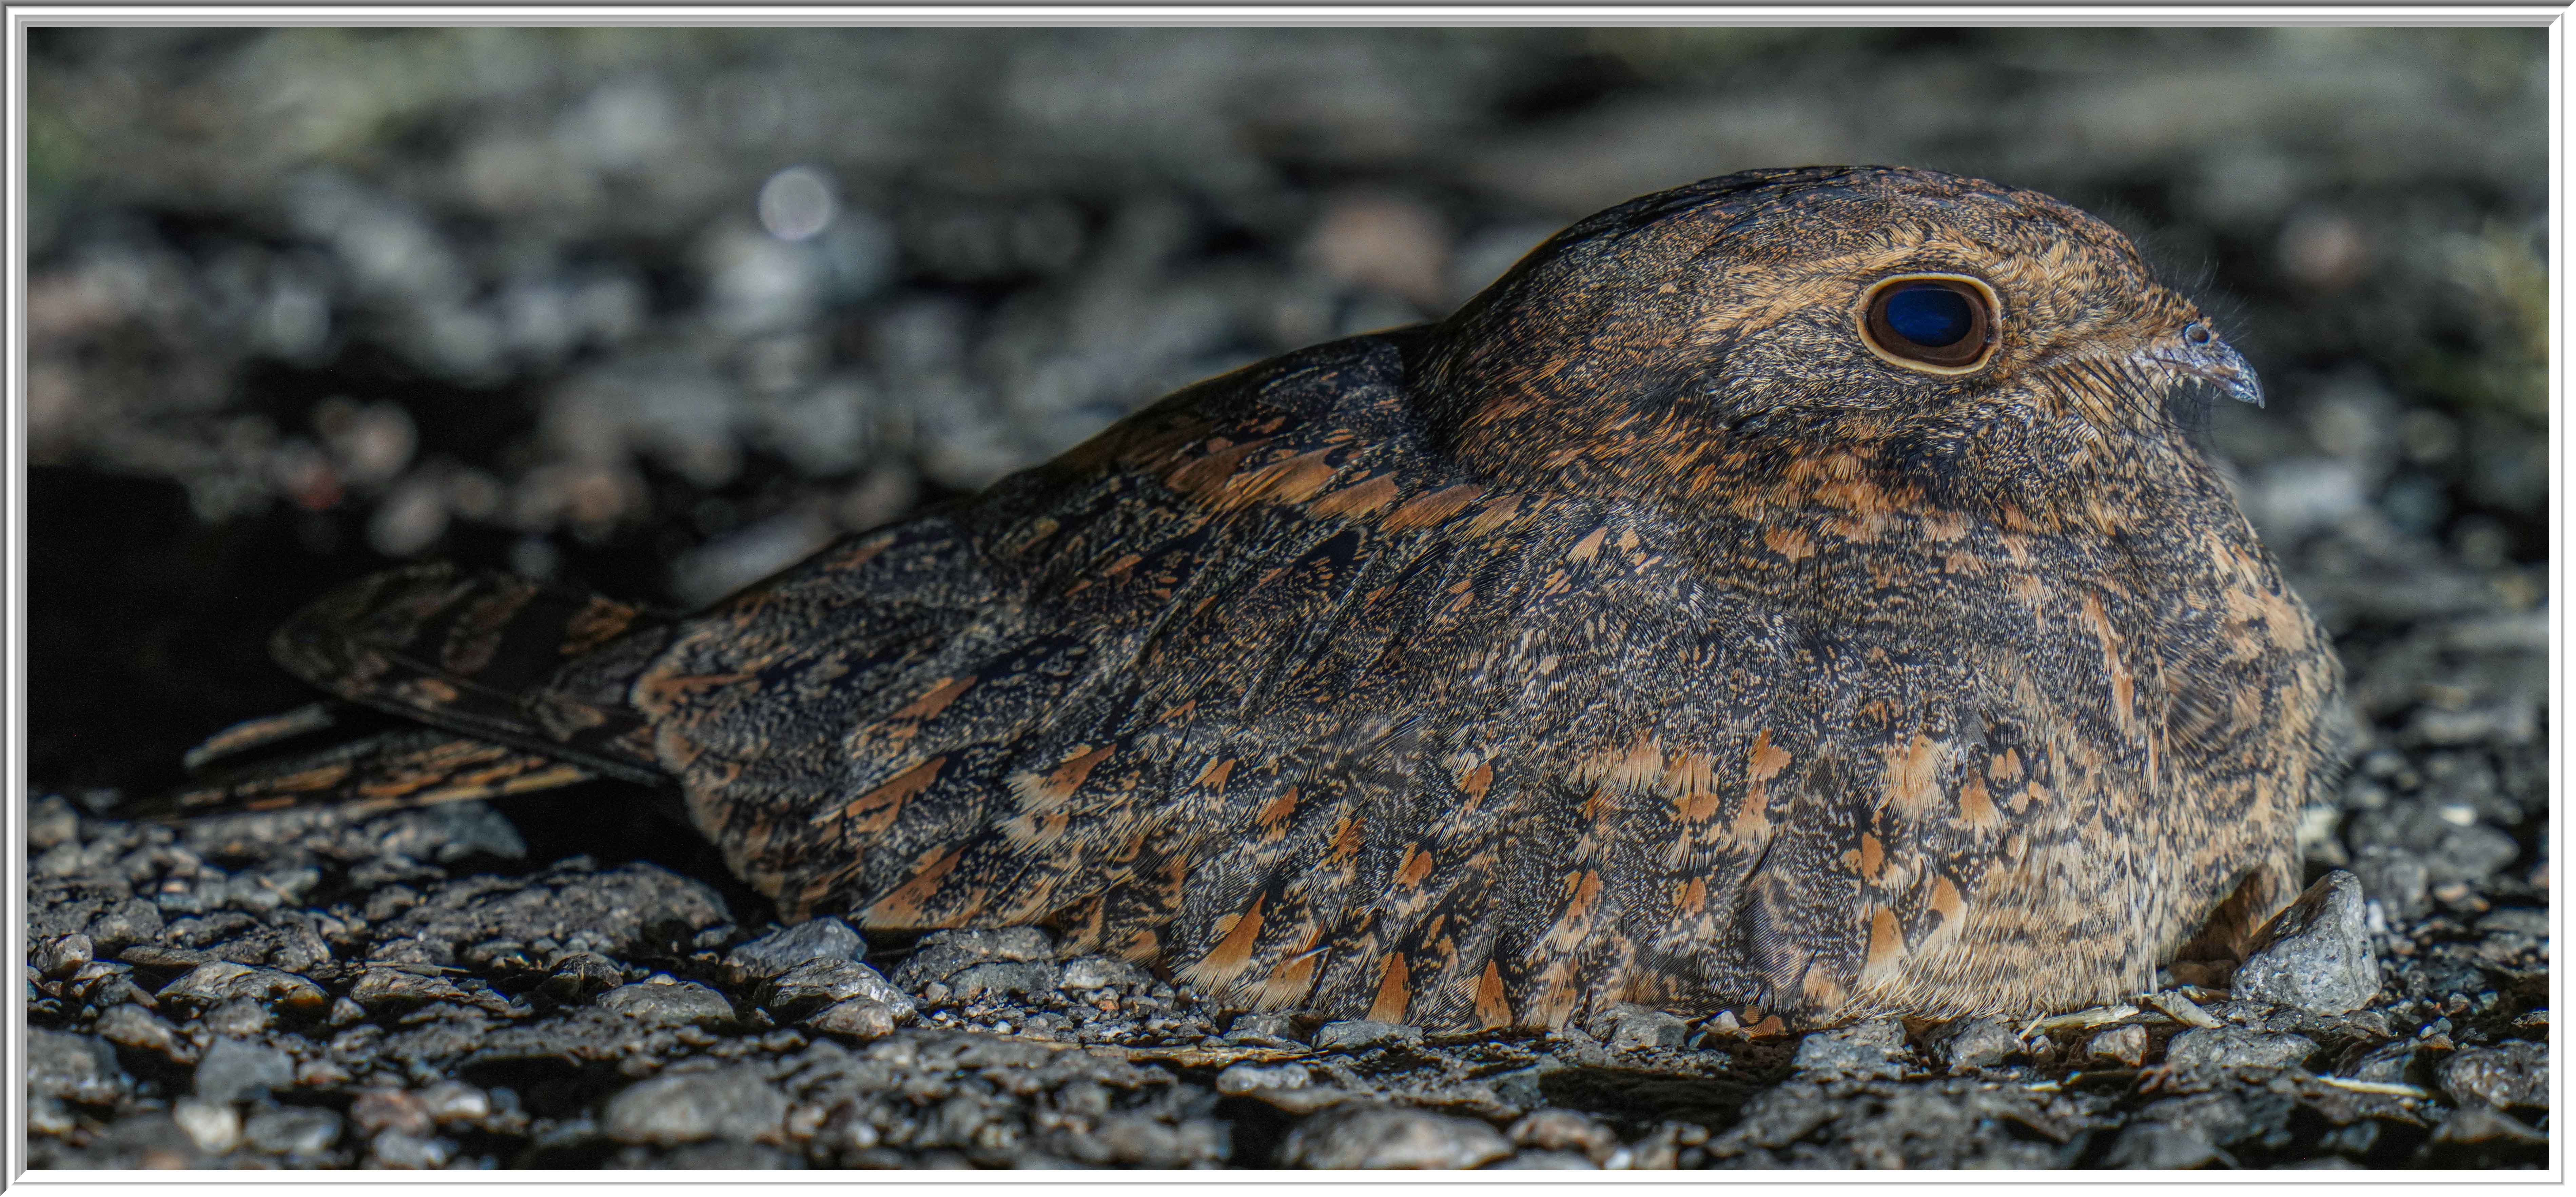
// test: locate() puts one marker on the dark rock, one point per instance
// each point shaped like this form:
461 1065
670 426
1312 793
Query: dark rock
1104 972
823 938
578 976
858 1018
2485 1124
2396 879
664 1000
292 1131
239 1018
61 955
996 978
233 1069
2155 1145
1366 1135
732 1103
637 908
135 1027
151 1140
51 821
214 983
1556 1130
814 984
941 954
1626 1028
1559 1161
395 991
129 922
400 1110
1357 1033
1974 1043
1870 1048
2511 1075
2315 955
2119 1045
395 1149
2236 1047
73 1067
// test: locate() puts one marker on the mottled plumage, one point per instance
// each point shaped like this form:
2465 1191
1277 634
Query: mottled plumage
1636 634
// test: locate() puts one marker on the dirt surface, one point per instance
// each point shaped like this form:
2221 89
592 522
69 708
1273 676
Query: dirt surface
658 312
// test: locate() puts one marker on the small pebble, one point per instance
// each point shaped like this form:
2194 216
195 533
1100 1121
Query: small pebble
1357 1135
2126 1046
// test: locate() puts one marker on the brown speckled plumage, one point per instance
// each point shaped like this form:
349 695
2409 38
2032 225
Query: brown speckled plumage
1634 634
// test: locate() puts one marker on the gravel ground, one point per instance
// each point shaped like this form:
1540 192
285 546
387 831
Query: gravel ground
658 312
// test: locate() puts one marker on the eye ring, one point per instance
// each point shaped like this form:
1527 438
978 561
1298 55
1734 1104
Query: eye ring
1932 323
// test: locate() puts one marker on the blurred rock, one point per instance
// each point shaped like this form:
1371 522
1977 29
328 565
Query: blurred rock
733 1103
1359 1135
2509 1076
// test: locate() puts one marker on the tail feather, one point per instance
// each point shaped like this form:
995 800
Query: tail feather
416 766
471 653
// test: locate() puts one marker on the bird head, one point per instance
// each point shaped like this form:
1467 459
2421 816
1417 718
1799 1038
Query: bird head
1984 338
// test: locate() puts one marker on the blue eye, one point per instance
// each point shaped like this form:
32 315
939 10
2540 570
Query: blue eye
1930 316
1935 321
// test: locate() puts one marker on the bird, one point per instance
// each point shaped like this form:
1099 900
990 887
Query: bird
1798 596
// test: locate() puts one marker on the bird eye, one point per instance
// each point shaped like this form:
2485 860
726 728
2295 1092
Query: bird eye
1945 322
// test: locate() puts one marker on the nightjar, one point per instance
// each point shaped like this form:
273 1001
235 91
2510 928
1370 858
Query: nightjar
1795 594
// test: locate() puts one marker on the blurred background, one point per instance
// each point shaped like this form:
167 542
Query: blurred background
659 311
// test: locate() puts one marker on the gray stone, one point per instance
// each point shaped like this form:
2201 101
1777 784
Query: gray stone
2315 955
858 1018
240 1018
1103 972
2119 1045
2236 1047
1626 1028
73 1067
135 1027
1558 1161
399 1110
2485 1124
2155 1145
454 1101
1356 1033
941 954
1557 1130
131 922
2396 879
1974 1043
292 1131
394 1149
666 1001
216 982
1870 1048
2510 1075
51 821
577 976
824 938
215 1125
61 955
1279 1029
396 991
732 1103
996 978
233 1069
1367 1135
634 909
2469 854
1240 1079
814 984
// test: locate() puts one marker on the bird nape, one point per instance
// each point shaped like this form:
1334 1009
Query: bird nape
1785 594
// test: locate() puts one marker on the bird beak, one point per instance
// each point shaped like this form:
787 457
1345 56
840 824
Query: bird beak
2216 362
